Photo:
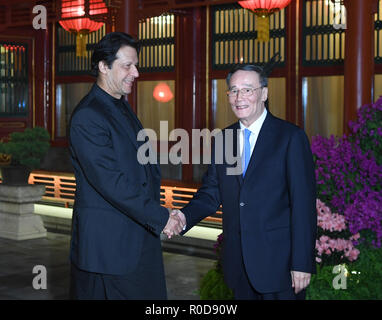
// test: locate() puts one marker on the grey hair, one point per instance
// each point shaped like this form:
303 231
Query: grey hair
249 67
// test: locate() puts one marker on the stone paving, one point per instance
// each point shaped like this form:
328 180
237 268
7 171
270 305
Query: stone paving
18 258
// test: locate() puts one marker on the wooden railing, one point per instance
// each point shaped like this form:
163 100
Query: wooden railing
60 187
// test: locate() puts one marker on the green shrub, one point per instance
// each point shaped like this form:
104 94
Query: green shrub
213 287
363 281
27 148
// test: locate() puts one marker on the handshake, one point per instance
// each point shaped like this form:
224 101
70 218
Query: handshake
176 223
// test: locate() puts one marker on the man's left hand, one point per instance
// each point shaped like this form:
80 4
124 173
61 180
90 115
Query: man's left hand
300 280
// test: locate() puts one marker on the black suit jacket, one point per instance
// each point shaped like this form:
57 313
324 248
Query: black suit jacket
270 214
117 198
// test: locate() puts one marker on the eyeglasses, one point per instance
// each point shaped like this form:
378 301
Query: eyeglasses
245 92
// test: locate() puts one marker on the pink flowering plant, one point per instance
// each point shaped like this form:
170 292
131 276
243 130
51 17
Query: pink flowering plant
349 209
349 178
334 243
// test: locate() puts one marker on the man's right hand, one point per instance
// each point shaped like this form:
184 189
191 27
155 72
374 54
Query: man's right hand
175 223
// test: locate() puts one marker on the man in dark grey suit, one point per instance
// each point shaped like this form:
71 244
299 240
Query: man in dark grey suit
117 217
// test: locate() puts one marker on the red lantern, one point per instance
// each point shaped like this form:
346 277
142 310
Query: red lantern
162 92
78 17
263 9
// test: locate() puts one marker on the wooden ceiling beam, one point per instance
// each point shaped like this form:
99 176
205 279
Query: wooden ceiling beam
152 8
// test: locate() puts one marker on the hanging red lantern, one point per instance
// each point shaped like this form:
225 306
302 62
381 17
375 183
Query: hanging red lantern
79 17
162 92
263 9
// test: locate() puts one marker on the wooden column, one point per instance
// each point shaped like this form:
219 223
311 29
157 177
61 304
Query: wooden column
190 75
43 85
126 21
359 57
292 97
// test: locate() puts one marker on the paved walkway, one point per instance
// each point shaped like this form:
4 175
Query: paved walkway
18 258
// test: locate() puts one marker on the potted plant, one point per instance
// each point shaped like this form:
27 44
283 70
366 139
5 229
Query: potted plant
23 153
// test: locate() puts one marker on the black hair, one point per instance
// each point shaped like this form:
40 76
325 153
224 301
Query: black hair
106 49
250 67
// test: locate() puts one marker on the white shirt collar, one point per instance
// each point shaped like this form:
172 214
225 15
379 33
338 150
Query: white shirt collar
256 126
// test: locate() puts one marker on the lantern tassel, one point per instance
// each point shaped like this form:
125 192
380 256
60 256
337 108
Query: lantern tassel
81 45
262 28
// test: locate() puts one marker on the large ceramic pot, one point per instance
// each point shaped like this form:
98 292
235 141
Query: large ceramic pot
15 175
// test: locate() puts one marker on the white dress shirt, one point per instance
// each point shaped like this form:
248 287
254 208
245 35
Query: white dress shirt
255 130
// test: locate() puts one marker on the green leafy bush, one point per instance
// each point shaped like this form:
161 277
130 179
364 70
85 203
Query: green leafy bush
363 278
27 148
213 287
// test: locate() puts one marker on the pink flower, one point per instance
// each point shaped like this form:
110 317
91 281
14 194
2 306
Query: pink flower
326 245
353 254
355 236
324 239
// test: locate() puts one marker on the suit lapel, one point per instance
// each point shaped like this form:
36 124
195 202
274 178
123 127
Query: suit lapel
116 112
126 118
236 150
265 134
132 128
139 126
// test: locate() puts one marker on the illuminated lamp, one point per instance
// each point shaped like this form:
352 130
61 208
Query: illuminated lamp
263 9
162 92
77 16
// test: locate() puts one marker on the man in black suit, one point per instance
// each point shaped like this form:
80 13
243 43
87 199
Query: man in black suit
117 217
269 214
